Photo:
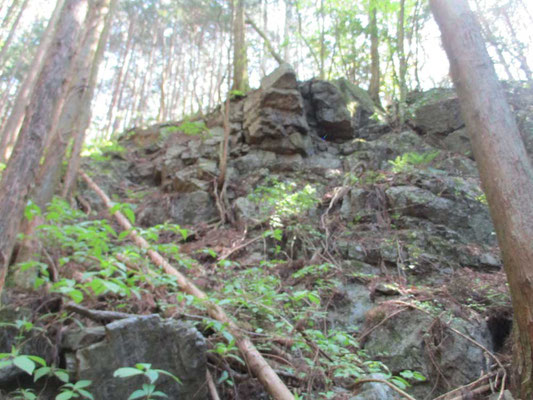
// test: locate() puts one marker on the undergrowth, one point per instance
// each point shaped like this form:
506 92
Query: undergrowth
90 260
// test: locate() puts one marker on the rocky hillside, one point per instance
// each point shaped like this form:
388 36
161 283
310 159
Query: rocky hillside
352 248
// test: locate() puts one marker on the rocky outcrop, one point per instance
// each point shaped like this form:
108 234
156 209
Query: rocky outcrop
416 341
337 111
165 344
437 114
274 118
396 223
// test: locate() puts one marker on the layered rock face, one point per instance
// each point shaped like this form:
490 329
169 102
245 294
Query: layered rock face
437 115
274 118
396 202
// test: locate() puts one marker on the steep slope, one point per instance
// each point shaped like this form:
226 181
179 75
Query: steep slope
354 248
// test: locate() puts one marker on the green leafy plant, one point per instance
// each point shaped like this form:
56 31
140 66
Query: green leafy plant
283 199
23 394
189 128
27 363
102 150
147 391
75 391
407 161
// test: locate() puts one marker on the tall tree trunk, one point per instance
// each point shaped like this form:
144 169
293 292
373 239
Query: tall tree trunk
519 47
11 35
240 60
120 107
322 24
489 37
79 101
287 32
13 123
402 78
129 119
85 113
118 79
141 107
504 166
163 79
44 108
266 41
9 13
375 74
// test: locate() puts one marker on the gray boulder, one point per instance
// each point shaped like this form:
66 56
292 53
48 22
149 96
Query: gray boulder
441 114
352 310
414 341
437 114
336 110
455 206
376 390
165 344
179 208
330 111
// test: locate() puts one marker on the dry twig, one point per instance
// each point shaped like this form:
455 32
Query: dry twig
211 386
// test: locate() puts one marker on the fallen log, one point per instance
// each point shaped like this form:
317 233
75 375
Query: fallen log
255 361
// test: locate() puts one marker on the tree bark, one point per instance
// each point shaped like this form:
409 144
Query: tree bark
120 106
118 79
85 113
403 62
504 166
79 103
163 77
240 60
44 108
9 13
375 75
490 38
11 35
13 123
322 24
287 32
519 47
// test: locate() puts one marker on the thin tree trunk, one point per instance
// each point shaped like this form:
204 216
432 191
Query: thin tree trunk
402 78
163 79
129 120
147 79
46 104
266 40
489 37
264 50
12 31
9 13
13 123
118 79
240 61
119 115
504 166
519 50
322 74
375 74
85 115
287 32
306 42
